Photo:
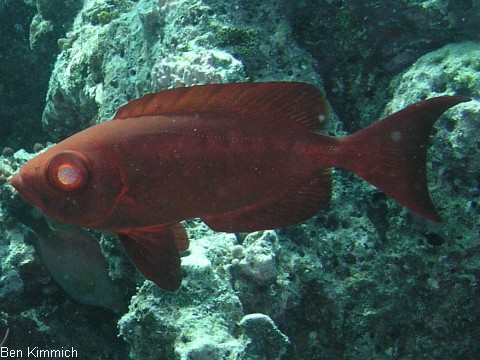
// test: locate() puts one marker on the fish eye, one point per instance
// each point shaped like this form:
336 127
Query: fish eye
68 171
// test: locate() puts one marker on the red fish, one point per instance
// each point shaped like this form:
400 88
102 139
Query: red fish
242 157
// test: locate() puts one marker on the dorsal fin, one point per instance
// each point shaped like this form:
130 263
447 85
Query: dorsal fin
296 101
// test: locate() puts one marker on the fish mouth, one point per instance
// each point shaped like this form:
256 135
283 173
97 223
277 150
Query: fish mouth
17 182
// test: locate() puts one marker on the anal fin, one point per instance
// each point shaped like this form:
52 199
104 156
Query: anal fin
155 252
290 208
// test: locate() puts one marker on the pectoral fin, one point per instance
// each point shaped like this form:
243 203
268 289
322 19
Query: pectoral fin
155 252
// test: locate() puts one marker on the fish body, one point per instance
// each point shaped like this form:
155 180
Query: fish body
72 257
242 157
177 170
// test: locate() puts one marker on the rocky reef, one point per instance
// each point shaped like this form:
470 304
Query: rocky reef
364 279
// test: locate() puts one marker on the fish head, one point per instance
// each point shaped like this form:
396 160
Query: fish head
67 185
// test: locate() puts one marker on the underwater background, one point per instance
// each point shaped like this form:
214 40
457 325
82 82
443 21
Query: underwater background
366 279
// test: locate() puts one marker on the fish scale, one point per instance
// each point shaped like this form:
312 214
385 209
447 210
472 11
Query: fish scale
242 157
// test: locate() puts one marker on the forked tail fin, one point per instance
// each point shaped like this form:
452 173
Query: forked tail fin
391 153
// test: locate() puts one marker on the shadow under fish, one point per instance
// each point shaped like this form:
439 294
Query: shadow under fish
73 258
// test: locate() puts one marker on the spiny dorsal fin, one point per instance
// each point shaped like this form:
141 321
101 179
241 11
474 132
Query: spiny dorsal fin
296 101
